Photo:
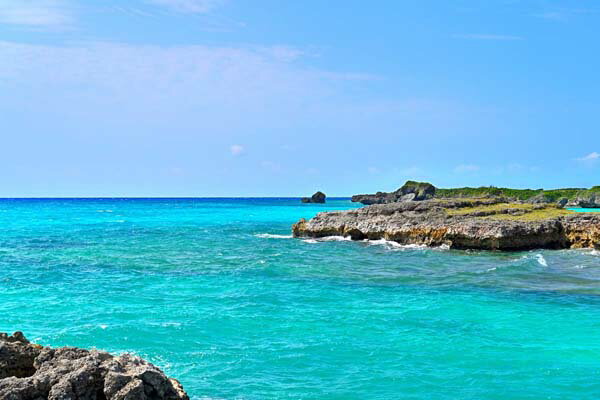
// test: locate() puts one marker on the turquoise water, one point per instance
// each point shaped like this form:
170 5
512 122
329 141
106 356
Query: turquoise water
218 294
585 209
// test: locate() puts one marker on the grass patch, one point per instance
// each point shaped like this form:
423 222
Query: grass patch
534 215
504 211
490 208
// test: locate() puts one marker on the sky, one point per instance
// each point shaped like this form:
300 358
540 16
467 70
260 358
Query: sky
282 98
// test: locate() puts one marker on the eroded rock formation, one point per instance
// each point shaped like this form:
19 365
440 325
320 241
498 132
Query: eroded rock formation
491 224
33 372
318 197
410 191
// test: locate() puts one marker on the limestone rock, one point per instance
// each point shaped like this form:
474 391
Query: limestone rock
33 372
488 224
410 191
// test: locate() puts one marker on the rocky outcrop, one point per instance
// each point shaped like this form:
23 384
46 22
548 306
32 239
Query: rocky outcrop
410 191
586 200
32 372
318 197
469 224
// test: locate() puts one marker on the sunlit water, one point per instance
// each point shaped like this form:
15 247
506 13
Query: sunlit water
218 294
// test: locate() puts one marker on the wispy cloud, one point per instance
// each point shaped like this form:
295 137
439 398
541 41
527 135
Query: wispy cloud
485 36
237 150
593 157
562 14
35 13
189 6
466 168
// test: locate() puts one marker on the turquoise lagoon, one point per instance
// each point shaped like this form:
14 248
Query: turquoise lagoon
217 293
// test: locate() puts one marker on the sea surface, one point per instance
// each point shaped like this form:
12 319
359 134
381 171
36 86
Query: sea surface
218 294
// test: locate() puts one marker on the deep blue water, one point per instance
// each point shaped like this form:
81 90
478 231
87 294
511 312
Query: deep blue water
217 293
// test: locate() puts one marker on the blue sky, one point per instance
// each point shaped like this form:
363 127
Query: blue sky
282 98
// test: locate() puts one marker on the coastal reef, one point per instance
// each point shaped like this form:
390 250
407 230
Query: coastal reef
485 224
33 372
318 197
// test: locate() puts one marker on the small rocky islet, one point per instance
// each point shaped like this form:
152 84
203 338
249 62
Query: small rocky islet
32 372
319 198
467 218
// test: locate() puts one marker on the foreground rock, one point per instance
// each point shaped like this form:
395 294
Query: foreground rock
410 191
32 372
487 224
318 197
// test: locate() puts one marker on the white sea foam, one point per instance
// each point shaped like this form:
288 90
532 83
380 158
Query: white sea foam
541 260
103 326
310 241
272 236
329 239
390 244
335 239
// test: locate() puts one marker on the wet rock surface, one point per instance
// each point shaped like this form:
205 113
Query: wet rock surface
33 372
482 224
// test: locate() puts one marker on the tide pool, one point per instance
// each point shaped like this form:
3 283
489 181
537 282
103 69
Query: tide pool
218 294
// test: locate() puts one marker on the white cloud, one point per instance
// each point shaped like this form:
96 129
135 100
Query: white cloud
593 156
466 168
482 36
237 150
189 6
35 13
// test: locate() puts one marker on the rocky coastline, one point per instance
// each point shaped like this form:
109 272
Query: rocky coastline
32 372
483 224
418 191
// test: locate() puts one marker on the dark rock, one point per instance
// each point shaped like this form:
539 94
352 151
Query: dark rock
33 372
318 197
540 199
591 200
410 191
562 203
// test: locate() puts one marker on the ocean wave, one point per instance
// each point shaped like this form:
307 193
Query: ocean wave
272 236
395 245
541 260
328 239
335 239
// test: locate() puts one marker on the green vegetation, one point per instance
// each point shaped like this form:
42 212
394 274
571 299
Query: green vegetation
552 195
491 208
534 215
510 211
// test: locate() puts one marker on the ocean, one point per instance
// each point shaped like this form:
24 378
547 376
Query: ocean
218 294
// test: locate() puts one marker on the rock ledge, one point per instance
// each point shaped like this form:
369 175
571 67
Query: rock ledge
485 224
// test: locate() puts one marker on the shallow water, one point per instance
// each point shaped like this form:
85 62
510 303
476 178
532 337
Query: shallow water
585 209
217 293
